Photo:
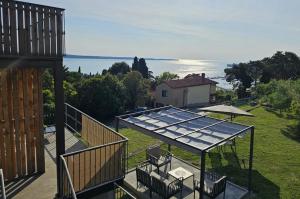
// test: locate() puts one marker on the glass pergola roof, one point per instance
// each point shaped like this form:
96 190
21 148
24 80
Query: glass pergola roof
192 131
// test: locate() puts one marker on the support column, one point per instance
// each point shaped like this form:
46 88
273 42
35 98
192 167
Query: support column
117 124
59 118
250 160
202 174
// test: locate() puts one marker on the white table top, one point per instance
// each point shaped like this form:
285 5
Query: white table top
180 173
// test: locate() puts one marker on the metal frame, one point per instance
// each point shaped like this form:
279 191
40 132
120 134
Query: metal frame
3 194
173 141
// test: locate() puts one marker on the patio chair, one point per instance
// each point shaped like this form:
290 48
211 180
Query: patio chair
164 187
143 176
214 185
158 157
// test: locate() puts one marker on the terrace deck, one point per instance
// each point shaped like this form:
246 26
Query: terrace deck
45 185
233 191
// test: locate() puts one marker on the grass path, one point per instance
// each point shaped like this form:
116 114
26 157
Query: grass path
276 157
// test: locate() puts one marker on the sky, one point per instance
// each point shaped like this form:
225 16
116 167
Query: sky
230 30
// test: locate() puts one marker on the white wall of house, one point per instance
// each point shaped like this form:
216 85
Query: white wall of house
198 94
195 95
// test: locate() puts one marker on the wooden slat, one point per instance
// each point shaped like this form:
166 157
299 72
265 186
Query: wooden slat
35 115
59 17
53 31
34 30
47 32
21 30
16 117
26 77
40 31
13 28
6 28
1 45
2 126
22 122
27 30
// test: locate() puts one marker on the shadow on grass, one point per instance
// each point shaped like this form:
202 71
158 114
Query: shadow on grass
292 132
270 110
262 186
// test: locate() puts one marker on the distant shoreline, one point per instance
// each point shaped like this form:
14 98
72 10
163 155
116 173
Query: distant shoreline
112 57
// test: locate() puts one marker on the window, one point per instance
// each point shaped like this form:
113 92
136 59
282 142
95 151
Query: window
164 93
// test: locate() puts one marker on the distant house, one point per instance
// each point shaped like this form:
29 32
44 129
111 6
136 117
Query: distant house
193 90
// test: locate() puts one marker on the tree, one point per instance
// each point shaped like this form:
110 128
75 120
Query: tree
119 68
255 70
141 66
79 70
135 64
166 76
238 75
135 89
281 98
102 97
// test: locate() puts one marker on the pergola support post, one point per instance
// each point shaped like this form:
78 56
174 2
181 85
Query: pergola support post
117 124
59 119
202 174
250 160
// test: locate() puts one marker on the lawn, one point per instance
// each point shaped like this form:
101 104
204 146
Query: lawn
276 169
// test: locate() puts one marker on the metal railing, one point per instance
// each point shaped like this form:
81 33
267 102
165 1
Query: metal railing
121 193
92 131
2 186
67 187
96 166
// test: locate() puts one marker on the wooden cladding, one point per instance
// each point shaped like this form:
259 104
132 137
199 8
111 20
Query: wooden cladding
96 133
31 30
21 122
96 166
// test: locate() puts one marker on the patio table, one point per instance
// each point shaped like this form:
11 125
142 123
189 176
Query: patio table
181 173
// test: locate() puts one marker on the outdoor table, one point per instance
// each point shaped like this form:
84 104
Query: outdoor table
181 173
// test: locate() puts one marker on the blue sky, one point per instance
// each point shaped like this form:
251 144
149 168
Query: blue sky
231 30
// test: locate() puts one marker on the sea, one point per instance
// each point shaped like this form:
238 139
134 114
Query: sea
213 69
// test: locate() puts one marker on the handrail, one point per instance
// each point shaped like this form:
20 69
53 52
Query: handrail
123 191
93 119
92 148
68 177
2 184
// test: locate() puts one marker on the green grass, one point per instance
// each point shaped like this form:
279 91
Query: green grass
276 167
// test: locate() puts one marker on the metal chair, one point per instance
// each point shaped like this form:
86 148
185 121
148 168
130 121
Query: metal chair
158 157
214 185
165 188
143 176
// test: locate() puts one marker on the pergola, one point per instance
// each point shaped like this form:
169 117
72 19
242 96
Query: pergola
187 130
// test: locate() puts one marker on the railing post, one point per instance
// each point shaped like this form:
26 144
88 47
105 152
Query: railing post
250 161
117 124
202 174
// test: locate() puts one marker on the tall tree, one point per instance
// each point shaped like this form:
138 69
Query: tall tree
136 89
143 68
135 64
79 70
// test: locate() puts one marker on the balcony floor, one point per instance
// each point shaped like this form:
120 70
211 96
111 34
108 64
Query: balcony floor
232 191
44 186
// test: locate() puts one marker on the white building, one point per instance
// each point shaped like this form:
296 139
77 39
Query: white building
193 90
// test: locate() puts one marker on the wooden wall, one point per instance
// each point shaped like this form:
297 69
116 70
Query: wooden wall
96 133
31 30
21 122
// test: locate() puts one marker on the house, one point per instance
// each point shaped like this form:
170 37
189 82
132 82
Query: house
193 90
